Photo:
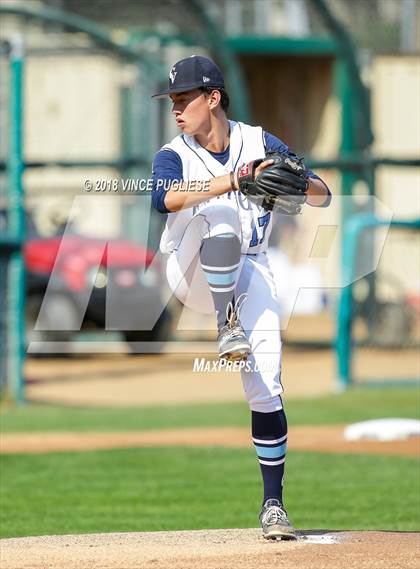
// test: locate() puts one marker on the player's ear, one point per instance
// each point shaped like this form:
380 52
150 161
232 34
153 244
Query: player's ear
214 99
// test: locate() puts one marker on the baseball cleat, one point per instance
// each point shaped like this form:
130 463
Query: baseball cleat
233 343
274 521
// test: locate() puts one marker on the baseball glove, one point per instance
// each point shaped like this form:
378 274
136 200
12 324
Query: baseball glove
280 187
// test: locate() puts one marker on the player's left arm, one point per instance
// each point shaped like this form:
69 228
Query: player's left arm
318 192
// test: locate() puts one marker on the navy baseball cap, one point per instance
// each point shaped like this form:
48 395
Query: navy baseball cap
192 73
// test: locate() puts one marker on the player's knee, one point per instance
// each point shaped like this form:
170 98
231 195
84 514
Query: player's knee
264 403
222 219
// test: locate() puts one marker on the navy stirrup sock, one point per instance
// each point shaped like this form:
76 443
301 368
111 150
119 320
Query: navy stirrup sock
269 434
220 258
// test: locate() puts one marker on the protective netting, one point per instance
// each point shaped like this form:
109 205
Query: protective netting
378 26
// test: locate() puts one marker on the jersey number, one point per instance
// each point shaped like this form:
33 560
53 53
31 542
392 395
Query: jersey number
262 222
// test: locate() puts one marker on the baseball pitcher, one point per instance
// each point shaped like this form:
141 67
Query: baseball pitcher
220 182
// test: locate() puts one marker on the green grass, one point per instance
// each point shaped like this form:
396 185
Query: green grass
351 406
191 488
171 489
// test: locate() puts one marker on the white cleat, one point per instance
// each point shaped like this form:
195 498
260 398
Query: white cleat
233 343
274 521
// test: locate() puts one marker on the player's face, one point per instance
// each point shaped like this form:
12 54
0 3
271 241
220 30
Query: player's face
191 111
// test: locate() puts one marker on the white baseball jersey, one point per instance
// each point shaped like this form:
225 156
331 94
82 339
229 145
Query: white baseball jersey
246 144
230 213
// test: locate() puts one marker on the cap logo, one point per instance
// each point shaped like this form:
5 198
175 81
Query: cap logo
172 74
206 79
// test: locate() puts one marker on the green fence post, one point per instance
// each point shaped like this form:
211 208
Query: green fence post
350 239
348 179
16 228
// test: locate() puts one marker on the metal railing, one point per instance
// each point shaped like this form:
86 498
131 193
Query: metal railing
353 230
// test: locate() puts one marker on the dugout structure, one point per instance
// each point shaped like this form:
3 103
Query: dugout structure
335 54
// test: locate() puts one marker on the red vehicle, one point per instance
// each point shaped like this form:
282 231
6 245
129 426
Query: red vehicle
78 280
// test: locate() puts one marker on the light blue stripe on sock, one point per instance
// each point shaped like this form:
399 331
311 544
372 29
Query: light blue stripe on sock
221 279
271 452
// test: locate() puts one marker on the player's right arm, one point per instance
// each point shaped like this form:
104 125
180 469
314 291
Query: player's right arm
184 195
171 193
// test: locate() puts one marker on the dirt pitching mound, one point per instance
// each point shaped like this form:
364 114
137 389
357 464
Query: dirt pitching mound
213 549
